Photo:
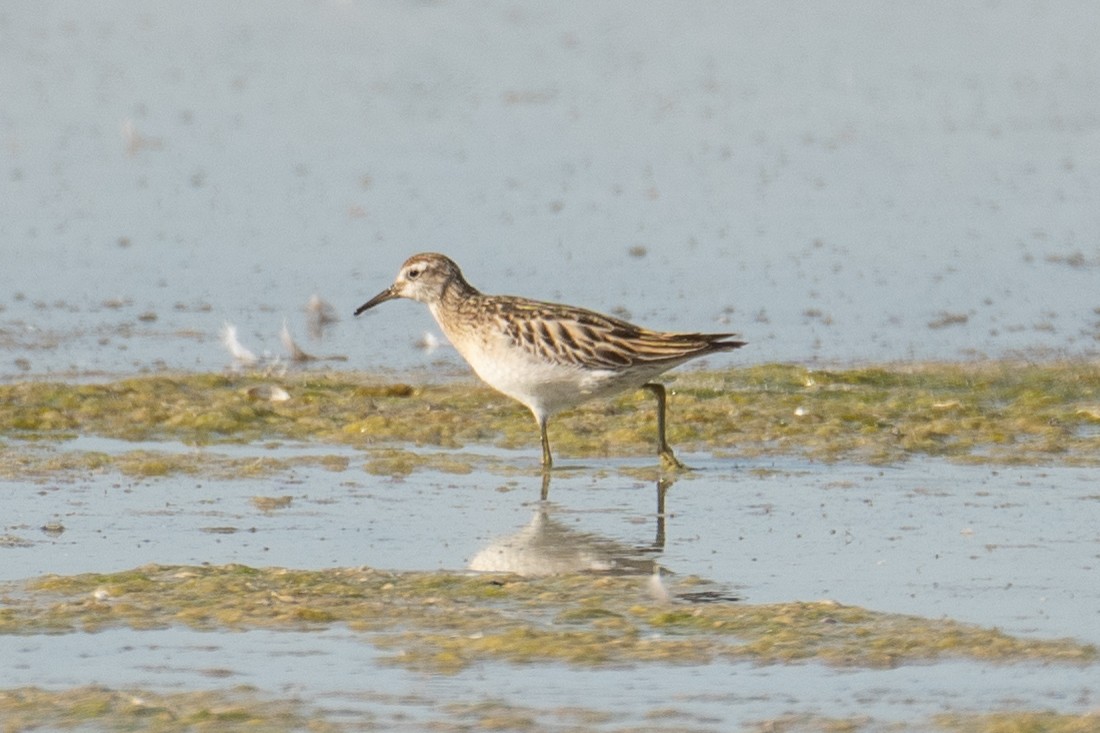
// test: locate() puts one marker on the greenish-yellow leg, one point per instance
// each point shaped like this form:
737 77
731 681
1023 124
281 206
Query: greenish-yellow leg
547 459
664 450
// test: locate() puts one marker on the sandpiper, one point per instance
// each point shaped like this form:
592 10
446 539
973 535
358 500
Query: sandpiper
547 356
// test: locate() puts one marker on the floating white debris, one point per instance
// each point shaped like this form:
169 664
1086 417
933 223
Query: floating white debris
269 393
321 310
297 354
241 355
428 342
136 142
295 351
319 314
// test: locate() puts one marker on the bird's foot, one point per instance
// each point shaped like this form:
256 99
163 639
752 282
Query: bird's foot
670 461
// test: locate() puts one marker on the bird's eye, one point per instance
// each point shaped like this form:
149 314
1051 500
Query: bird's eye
413 273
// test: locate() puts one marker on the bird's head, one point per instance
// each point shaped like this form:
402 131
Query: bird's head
423 277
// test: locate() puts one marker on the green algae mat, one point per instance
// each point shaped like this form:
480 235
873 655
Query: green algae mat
443 622
103 709
988 412
243 709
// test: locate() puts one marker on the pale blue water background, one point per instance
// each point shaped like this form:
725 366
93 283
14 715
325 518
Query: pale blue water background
827 179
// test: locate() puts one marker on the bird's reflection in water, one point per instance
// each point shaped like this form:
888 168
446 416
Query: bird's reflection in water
547 546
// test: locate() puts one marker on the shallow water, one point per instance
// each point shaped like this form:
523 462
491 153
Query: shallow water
1014 548
870 183
339 676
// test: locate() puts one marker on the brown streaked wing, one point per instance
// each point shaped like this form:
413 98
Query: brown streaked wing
580 337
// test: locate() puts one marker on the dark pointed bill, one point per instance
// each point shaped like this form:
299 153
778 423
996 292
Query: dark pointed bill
387 294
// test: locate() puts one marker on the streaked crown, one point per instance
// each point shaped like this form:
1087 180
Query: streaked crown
424 277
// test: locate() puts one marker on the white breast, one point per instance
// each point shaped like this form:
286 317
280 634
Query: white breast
544 387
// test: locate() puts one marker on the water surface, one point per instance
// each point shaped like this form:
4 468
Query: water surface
837 183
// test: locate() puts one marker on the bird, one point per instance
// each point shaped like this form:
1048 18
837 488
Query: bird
549 357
